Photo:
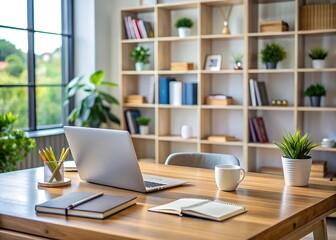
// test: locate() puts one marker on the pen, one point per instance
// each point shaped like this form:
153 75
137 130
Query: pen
84 200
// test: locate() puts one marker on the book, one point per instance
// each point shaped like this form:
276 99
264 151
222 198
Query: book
175 93
164 89
252 93
191 93
83 204
252 131
203 208
257 92
130 26
257 128
142 29
129 36
131 115
263 93
149 29
136 28
151 91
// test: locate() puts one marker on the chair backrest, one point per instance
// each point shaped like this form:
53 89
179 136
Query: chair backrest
201 160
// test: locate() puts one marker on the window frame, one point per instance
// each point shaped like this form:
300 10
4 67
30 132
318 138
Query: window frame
67 62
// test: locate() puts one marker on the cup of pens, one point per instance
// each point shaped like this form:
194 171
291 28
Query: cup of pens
53 173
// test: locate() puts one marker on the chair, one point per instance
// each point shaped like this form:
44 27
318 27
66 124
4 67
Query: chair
201 160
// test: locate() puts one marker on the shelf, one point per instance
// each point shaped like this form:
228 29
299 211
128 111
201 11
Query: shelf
177 5
262 145
317 109
177 72
325 149
229 107
176 38
140 105
278 70
138 136
223 71
316 70
140 40
271 34
139 9
222 36
177 139
192 107
228 143
146 72
317 32
271 108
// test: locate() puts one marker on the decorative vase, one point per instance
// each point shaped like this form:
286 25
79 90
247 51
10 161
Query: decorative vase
144 130
186 131
183 32
271 65
296 171
318 63
139 66
315 101
226 29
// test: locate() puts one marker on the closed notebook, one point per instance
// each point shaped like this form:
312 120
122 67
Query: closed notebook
203 208
100 207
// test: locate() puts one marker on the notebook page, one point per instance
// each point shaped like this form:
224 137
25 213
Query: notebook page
176 207
215 210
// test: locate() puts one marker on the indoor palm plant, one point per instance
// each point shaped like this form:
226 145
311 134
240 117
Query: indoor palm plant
296 161
14 145
143 124
140 56
271 54
183 26
95 107
315 92
318 56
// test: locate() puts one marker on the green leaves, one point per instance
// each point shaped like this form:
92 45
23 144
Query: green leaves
318 53
140 54
184 22
95 106
273 53
296 147
315 90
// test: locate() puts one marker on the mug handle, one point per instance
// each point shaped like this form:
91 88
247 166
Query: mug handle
242 175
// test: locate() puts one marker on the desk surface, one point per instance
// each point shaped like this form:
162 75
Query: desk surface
274 210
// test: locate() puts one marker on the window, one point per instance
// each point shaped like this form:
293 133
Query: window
36 60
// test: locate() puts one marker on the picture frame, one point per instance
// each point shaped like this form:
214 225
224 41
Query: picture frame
213 62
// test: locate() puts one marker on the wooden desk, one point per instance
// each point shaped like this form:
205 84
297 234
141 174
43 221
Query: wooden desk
274 210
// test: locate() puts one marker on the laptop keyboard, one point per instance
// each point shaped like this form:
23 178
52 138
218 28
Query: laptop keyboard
152 184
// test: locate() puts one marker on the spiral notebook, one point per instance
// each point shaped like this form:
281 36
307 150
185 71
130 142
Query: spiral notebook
203 208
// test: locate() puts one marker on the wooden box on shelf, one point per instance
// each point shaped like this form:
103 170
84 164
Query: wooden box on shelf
318 16
181 66
219 100
273 26
221 138
135 99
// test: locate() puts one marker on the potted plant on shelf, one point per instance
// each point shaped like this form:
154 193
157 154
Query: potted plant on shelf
296 161
95 108
318 56
238 60
14 144
143 125
272 54
183 26
315 92
140 56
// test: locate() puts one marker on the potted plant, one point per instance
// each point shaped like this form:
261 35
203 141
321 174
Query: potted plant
143 125
140 56
95 107
315 92
14 144
183 26
272 54
296 161
318 56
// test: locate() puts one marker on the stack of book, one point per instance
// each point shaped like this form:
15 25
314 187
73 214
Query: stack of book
258 93
257 130
318 169
318 16
137 28
273 26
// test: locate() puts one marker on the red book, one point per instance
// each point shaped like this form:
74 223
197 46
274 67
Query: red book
257 129
136 29
262 128
252 131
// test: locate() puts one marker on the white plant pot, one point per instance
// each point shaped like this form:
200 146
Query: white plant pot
296 171
318 63
144 130
183 32
139 66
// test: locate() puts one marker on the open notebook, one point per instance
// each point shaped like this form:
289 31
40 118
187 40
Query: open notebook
203 208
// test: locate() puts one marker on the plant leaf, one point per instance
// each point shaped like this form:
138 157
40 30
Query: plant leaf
97 77
109 84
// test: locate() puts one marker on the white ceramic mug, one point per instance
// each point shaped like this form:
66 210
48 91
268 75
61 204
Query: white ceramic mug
228 177
186 131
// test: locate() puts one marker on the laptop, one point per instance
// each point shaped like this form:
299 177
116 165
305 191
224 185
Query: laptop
107 157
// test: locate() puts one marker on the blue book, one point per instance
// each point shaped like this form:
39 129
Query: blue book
184 92
191 93
164 89
130 116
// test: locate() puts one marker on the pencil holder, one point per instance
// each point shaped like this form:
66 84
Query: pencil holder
53 172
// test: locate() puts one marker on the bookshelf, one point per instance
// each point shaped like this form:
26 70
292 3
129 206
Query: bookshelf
288 81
